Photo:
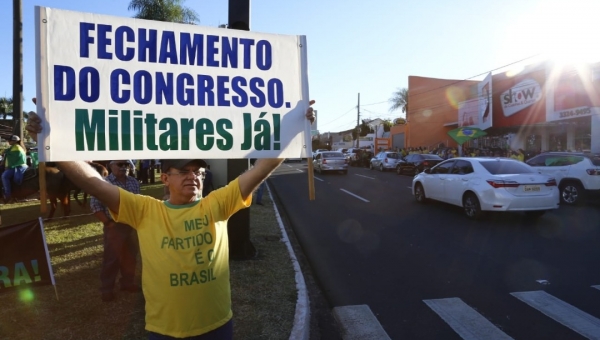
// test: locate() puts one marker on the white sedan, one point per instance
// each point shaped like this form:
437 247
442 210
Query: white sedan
487 184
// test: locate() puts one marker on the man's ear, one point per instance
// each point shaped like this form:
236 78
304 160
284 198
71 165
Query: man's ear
164 178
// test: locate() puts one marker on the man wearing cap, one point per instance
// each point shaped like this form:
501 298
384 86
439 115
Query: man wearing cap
120 246
15 165
183 241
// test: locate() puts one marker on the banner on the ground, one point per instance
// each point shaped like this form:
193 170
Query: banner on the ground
123 88
24 257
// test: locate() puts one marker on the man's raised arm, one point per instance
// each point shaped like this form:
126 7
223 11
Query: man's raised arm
81 173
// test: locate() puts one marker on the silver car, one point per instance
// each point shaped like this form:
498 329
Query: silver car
330 161
385 160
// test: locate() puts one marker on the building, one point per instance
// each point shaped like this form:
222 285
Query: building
541 108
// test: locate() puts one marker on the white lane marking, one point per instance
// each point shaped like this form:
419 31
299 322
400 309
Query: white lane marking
359 323
562 312
317 178
597 287
299 170
409 188
360 198
364 176
289 166
464 320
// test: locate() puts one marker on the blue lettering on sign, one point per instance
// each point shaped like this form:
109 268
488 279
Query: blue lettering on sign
104 41
89 84
125 43
120 97
122 34
64 83
185 96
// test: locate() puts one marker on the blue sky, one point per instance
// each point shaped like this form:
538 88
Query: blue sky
371 47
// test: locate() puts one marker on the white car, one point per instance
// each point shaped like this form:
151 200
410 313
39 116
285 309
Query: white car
487 184
577 173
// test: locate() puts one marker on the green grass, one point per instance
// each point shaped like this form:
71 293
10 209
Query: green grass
263 289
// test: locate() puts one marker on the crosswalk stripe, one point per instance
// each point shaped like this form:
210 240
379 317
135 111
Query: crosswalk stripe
464 320
562 312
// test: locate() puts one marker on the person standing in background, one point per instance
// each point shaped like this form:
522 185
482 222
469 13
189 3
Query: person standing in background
15 162
120 246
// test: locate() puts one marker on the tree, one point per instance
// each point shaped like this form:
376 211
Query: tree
399 100
365 128
6 106
163 10
387 125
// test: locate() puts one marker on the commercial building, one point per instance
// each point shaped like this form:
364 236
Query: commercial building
542 107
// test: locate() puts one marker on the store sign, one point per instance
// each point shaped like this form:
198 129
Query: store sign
484 91
521 96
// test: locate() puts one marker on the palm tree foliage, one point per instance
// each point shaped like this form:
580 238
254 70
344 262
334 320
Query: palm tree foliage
164 10
399 100
6 106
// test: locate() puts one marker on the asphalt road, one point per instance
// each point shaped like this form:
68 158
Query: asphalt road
369 243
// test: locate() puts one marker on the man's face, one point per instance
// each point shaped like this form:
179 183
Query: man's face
185 182
119 168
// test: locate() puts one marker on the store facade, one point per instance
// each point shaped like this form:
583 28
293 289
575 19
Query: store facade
544 107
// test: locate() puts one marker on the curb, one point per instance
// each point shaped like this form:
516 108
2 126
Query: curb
301 328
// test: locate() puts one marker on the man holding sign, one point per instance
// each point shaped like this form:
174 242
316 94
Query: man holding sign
114 88
183 241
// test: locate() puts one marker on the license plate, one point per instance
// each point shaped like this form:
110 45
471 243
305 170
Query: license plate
532 188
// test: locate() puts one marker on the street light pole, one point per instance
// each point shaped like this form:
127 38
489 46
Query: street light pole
238 226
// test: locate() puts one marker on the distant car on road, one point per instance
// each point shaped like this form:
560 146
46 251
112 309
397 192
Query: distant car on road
416 163
330 161
318 151
385 160
487 184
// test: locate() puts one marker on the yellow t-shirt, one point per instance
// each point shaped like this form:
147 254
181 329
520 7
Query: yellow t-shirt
185 259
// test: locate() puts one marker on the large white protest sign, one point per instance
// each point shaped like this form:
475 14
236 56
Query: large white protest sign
117 88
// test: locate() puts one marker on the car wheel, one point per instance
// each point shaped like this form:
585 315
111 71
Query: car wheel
399 170
535 214
570 193
381 167
420 193
472 207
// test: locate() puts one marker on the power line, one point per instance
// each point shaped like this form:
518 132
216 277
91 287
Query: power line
459 81
331 121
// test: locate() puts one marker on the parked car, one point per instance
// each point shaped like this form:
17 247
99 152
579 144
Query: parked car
354 156
385 160
577 174
330 161
487 184
416 163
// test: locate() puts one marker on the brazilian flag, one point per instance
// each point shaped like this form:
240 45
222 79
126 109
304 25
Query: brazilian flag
463 134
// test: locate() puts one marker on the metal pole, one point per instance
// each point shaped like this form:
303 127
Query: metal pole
358 121
238 227
18 68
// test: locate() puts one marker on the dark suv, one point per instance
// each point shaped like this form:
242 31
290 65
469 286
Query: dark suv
576 173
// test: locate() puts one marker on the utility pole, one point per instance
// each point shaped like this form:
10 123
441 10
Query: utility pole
358 121
18 68
238 226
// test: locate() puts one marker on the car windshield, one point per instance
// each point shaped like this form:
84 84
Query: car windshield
332 155
429 156
501 167
394 155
